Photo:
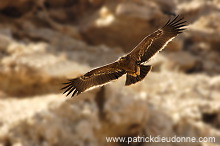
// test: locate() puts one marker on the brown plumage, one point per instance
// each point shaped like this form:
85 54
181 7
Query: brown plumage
132 64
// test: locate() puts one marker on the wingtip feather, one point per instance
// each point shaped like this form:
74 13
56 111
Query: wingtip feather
71 90
74 93
175 25
65 87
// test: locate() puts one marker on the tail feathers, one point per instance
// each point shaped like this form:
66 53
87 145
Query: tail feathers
144 69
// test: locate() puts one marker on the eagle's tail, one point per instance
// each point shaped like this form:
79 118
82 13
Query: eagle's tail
144 69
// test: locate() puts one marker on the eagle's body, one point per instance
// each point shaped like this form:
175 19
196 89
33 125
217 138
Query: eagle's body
132 64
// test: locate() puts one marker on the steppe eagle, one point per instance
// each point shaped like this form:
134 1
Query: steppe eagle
132 64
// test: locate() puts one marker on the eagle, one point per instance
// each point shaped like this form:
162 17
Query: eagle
132 64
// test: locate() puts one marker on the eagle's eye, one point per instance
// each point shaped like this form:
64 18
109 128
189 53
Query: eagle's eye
124 58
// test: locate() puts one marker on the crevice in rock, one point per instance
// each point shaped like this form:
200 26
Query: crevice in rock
198 67
11 11
100 101
133 127
211 119
41 138
7 142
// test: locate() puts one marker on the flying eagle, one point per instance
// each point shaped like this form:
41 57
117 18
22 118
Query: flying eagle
132 64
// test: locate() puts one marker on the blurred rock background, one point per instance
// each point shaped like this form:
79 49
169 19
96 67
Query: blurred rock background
46 41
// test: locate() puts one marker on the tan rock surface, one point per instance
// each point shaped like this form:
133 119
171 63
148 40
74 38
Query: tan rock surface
44 42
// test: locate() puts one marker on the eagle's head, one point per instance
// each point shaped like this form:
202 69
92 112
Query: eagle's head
124 60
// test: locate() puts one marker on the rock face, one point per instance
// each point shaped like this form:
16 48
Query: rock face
107 111
45 42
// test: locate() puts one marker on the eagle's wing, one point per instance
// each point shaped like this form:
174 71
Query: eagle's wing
93 78
156 41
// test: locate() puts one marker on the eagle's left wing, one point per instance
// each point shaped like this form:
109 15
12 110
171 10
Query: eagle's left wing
156 41
93 78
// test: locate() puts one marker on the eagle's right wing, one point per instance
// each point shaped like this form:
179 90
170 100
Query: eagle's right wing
93 78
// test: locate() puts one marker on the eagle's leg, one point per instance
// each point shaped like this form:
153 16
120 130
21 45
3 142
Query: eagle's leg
137 72
138 62
144 69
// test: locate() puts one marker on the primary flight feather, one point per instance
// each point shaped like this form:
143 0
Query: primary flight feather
132 64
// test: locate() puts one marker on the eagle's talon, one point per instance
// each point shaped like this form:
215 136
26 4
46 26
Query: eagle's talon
138 62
